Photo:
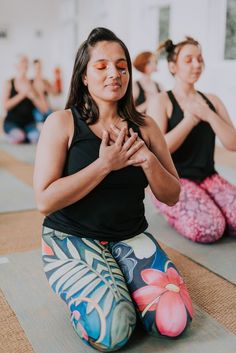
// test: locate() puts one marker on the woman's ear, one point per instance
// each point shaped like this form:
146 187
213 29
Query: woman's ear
85 80
172 67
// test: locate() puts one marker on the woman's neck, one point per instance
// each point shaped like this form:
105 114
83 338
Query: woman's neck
38 75
108 112
21 76
184 89
146 78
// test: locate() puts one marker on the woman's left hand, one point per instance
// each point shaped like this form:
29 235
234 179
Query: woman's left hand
143 153
198 107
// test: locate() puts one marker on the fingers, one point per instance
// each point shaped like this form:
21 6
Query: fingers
136 161
130 141
134 148
121 137
116 131
105 138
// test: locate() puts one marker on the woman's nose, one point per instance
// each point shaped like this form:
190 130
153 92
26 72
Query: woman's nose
112 71
196 63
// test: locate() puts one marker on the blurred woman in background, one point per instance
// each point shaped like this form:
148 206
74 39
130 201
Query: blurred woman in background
145 88
19 100
190 121
43 88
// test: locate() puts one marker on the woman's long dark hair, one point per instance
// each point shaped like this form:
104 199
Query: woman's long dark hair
79 95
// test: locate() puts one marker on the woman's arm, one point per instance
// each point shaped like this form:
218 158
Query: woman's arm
222 124
53 191
37 99
49 87
160 108
157 163
159 168
9 103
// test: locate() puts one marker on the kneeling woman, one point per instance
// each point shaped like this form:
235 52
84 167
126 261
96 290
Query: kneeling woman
190 120
93 162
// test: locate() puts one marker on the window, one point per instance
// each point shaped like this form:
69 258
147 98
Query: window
230 32
164 23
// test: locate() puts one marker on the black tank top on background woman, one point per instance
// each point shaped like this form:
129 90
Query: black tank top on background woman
194 159
114 209
22 113
141 97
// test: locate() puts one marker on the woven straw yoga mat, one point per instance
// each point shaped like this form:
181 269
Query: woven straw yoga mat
24 152
23 171
20 231
210 292
12 336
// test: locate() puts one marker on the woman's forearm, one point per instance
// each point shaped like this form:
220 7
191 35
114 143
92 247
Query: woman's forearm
224 131
176 136
164 185
70 189
12 102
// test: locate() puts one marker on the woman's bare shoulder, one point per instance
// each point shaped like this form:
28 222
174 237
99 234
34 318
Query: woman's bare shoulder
150 128
150 123
214 99
59 116
60 121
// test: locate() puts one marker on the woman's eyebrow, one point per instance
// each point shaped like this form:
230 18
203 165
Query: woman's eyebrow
118 60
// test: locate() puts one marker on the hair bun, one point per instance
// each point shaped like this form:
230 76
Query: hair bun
169 46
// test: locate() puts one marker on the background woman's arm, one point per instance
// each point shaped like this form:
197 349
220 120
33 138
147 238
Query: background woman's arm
9 103
158 109
159 168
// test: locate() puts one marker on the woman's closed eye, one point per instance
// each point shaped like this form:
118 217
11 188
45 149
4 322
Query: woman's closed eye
189 59
100 65
121 66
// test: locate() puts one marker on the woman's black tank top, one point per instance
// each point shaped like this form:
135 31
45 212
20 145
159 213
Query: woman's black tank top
141 97
22 113
114 209
194 159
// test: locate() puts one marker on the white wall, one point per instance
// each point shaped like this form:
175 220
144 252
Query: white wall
66 23
135 21
23 19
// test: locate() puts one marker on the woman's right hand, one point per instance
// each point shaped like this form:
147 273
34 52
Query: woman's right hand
191 118
119 154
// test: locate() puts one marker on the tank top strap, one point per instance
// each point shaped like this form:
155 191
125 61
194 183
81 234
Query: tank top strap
158 87
172 98
139 86
75 114
13 89
81 130
141 90
211 106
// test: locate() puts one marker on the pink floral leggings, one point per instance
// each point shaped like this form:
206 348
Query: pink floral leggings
205 210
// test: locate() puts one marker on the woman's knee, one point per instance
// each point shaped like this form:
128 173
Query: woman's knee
202 228
33 136
16 136
164 304
105 333
198 218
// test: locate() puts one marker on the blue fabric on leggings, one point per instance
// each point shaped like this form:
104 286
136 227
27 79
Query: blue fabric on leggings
101 282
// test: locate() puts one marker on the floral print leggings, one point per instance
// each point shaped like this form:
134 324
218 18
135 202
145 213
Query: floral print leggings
105 284
205 210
